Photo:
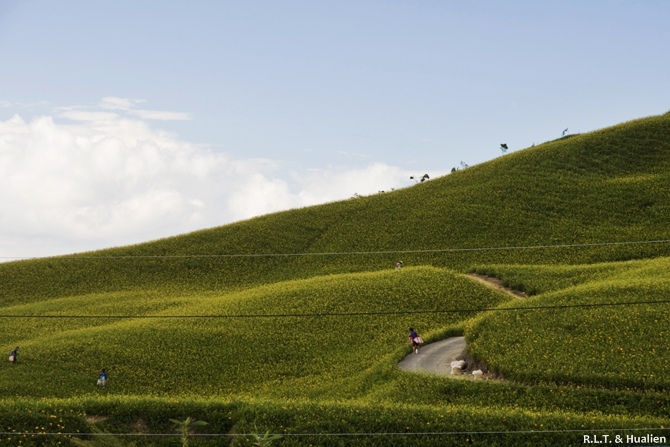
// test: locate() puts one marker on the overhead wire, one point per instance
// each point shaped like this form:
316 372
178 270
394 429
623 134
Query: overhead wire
343 314
339 253
345 434
337 314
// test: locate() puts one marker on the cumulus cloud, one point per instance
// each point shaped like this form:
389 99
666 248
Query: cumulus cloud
326 185
83 179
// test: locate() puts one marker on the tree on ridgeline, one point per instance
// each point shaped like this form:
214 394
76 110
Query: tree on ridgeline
421 179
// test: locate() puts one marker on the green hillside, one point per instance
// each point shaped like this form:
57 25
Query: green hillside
605 186
228 356
625 346
294 322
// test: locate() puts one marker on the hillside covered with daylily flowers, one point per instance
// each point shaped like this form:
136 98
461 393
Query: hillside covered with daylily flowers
294 322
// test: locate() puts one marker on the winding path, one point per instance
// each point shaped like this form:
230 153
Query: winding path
435 358
496 284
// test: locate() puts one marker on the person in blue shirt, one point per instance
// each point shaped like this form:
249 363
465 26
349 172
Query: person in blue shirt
102 378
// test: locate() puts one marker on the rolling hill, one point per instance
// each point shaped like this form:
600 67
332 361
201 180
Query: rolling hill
293 322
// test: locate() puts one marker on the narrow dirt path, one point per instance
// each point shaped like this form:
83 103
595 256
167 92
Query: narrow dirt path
435 358
496 284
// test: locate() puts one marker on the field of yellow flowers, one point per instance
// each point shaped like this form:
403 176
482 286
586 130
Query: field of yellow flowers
602 325
294 322
292 338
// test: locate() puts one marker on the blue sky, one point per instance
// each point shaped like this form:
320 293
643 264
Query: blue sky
127 121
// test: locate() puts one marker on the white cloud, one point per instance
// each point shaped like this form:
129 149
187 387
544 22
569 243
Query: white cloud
23 105
161 115
347 154
326 185
114 103
85 115
85 179
129 106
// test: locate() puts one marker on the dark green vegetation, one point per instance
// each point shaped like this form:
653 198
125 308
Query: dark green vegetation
296 320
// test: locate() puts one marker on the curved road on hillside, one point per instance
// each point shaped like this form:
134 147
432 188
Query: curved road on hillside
435 358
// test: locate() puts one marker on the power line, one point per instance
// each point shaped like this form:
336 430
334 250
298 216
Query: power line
380 434
342 314
342 253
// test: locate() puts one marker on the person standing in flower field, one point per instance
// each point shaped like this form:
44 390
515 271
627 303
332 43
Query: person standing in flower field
415 340
102 378
14 355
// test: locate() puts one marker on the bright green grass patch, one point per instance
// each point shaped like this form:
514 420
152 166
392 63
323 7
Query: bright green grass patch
291 339
534 279
610 346
547 278
24 322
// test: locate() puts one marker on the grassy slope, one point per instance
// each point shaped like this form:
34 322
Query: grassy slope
209 356
610 185
606 186
607 346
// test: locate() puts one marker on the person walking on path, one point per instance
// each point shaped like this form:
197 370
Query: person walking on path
415 340
14 355
102 378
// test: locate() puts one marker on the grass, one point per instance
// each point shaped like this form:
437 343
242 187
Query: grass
297 319
609 346
237 352
312 423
